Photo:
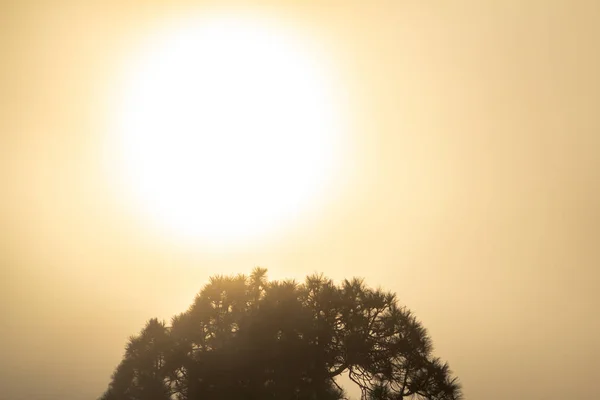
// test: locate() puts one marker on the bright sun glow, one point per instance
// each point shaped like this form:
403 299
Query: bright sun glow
227 129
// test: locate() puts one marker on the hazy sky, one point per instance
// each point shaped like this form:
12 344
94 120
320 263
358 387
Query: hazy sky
475 193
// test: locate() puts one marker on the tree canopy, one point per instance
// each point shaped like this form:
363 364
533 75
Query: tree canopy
245 337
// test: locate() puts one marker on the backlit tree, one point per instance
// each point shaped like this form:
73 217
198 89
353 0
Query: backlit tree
250 338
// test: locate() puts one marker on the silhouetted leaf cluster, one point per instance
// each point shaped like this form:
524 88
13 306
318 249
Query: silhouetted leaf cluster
245 337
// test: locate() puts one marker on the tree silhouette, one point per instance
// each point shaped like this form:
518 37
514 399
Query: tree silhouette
250 338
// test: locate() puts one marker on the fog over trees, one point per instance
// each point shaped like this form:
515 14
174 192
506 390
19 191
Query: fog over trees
246 337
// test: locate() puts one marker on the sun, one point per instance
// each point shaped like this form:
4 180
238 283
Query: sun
227 128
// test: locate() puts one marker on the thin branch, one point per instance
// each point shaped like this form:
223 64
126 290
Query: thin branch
339 387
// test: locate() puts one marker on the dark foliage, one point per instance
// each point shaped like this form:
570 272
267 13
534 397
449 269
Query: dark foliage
249 338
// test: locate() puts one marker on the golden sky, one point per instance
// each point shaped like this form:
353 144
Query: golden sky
474 192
